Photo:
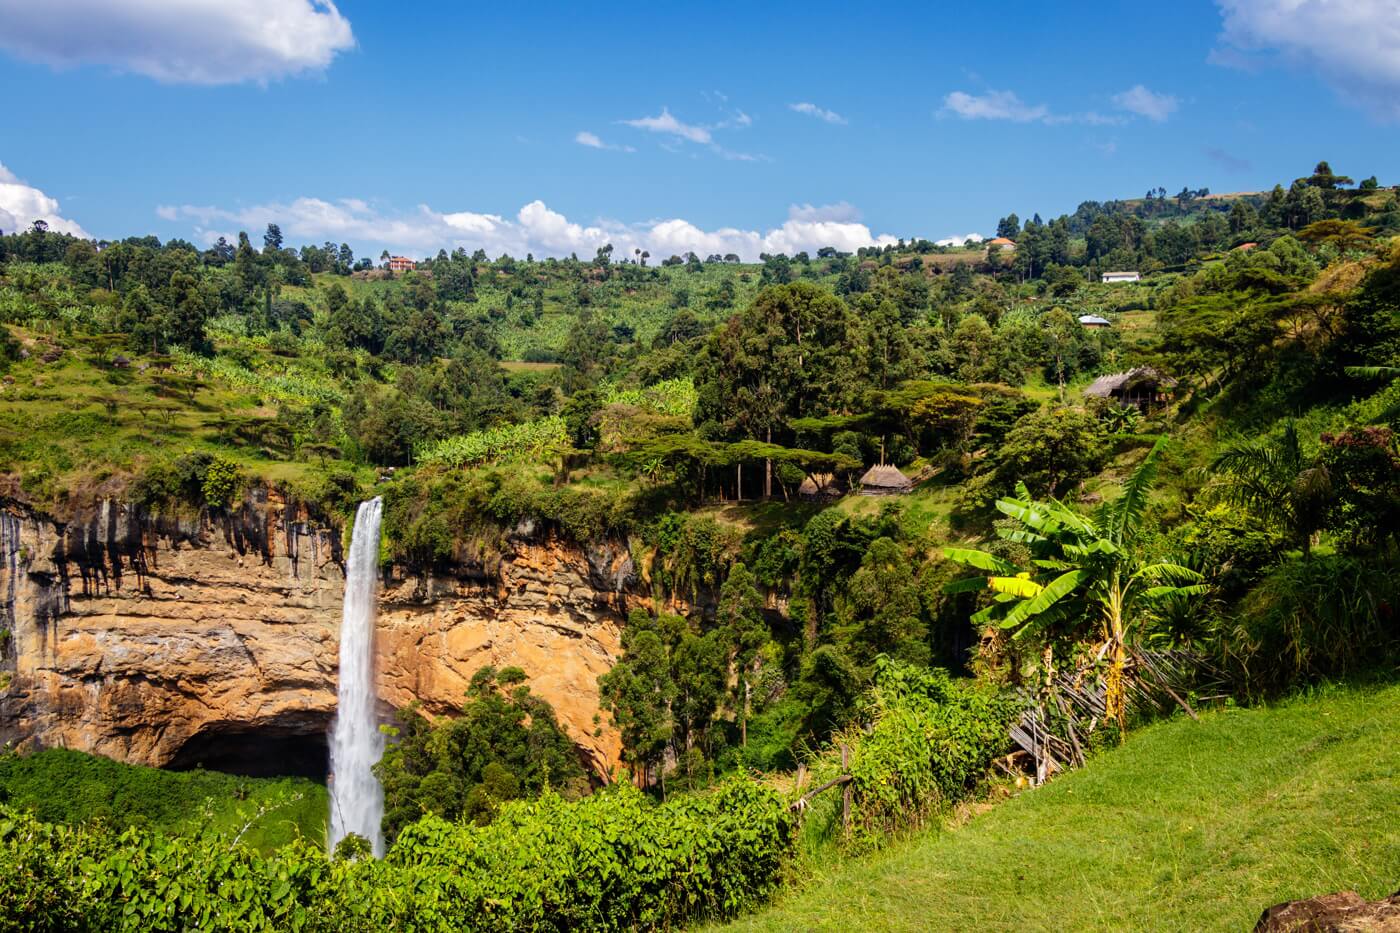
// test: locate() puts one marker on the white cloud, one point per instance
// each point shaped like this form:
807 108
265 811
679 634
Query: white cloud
670 126
959 240
179 41
1007 105
591 140
1139 100
1353 44
21 205
812 110
841 211
535 229
995 105
680 133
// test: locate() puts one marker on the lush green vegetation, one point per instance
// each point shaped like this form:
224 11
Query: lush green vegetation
60 786
1188 826
613 861
712 418
505 745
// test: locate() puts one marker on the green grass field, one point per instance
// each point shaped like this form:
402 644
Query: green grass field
1189 826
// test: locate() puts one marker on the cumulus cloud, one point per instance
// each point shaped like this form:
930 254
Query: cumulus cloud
591 140
1353 44
1139 100
959 240
179 41
667 124
812 110
994 105
535 229
21 205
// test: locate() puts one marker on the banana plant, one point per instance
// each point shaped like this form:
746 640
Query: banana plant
1086 574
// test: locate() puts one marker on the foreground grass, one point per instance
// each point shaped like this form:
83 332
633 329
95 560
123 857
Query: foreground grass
1187 827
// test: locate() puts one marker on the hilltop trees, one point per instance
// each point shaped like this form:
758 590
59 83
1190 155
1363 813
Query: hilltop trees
788 352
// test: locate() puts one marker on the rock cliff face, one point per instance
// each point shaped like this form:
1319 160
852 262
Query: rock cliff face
214 641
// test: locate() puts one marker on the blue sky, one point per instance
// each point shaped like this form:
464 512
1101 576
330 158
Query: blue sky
414 126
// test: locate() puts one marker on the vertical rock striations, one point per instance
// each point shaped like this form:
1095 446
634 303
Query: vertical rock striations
214 639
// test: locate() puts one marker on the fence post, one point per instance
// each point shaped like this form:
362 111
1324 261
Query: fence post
846 791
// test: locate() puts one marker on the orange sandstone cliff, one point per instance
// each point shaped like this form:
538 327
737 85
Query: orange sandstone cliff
213 640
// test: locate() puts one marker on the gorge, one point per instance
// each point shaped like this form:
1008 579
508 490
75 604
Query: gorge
211 639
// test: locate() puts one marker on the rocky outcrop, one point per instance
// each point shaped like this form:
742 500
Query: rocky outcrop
1346 912
210 639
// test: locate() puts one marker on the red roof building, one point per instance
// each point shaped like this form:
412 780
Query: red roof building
401 264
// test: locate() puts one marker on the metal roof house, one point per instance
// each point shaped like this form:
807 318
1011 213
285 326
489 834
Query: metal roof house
885 480
1114 277
1093 320
1144 388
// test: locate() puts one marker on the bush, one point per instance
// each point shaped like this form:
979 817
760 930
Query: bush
923 743
613 861
1326 617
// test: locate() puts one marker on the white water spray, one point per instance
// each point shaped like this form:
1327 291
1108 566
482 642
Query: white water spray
357 799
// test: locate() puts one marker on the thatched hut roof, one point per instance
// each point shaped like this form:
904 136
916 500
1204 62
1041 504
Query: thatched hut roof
885 477
817 485
1119 383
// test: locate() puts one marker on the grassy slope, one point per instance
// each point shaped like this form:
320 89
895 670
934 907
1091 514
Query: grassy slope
1187 827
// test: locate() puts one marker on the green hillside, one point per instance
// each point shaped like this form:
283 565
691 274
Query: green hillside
871 511
1189 826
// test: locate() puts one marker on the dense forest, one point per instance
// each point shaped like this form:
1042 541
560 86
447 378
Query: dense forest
1229 536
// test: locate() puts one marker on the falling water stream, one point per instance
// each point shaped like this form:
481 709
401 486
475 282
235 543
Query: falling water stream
357 800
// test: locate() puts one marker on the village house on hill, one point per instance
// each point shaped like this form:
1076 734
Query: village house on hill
1111 278
1002 243
885 480
1144 388
401 264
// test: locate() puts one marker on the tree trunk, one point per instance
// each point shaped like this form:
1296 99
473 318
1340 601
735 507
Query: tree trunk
738 482
744 717
768 469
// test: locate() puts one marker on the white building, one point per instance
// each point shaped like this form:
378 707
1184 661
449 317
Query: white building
1121 277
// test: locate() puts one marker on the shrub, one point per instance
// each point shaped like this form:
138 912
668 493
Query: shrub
1325 617
923 743
613 861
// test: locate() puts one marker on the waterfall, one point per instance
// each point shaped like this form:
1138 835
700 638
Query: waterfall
357 800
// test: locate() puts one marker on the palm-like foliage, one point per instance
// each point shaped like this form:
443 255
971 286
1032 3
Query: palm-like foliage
1277 483
1392 413
1122 419
1087 574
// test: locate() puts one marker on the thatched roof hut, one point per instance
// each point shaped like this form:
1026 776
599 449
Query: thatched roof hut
819 486
884 480
1144 387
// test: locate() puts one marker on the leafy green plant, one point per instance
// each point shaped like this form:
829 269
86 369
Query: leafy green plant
537 441
1087 575
921 743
